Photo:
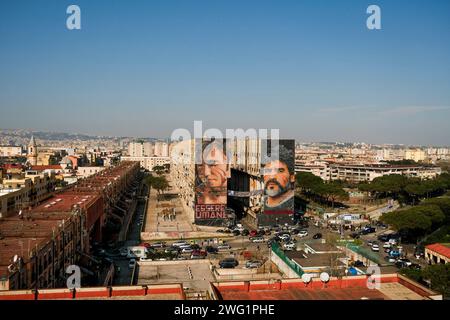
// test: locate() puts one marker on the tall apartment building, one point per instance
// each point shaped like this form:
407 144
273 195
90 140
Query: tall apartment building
390 155
10 151
161 149
140 149
147 163
148 149
243 191
318 168
415 154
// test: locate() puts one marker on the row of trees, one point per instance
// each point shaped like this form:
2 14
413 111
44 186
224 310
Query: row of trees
316 189
159 183
405 189
422 219
159 170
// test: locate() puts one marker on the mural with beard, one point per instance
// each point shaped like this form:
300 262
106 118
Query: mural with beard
279 182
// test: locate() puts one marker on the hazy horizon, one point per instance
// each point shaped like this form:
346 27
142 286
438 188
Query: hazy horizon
166 138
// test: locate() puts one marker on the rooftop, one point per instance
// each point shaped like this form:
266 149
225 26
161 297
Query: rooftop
318 260
47 167
322 247
65 202
440 248
192 273
392 287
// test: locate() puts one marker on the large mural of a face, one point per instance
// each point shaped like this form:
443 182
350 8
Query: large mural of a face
211 181
279 180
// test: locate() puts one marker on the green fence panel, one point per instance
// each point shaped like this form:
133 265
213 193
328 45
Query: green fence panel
280 253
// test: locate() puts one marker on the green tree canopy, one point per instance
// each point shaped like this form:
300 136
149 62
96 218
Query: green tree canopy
443 203
307 181
417 219
439 277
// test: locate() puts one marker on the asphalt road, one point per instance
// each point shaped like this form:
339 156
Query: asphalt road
123 277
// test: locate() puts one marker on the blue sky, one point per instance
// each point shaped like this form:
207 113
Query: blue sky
308 67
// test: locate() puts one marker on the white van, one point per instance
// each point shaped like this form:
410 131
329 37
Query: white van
137 252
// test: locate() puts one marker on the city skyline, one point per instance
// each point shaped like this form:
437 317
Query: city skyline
31 132
314 72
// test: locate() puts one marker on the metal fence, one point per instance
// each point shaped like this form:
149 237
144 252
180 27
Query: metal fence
366 253
280 253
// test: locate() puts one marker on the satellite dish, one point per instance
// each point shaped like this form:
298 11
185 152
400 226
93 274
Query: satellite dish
16 257
306 278
324 277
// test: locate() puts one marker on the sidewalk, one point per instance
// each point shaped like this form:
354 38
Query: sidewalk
157 228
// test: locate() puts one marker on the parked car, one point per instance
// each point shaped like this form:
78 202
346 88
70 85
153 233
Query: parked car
400 264
211 249
157 245
256 239
383 238
392 241
289 246
132 263
236 232
252 264
253 233
123 252
179 243
187 250
245 232
200 252
407 262
261 233
390 259
358 263
317 236
223 247
172 250
386 245
269 242
303 233
355 235
375 248
228 263
394 253
285 237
